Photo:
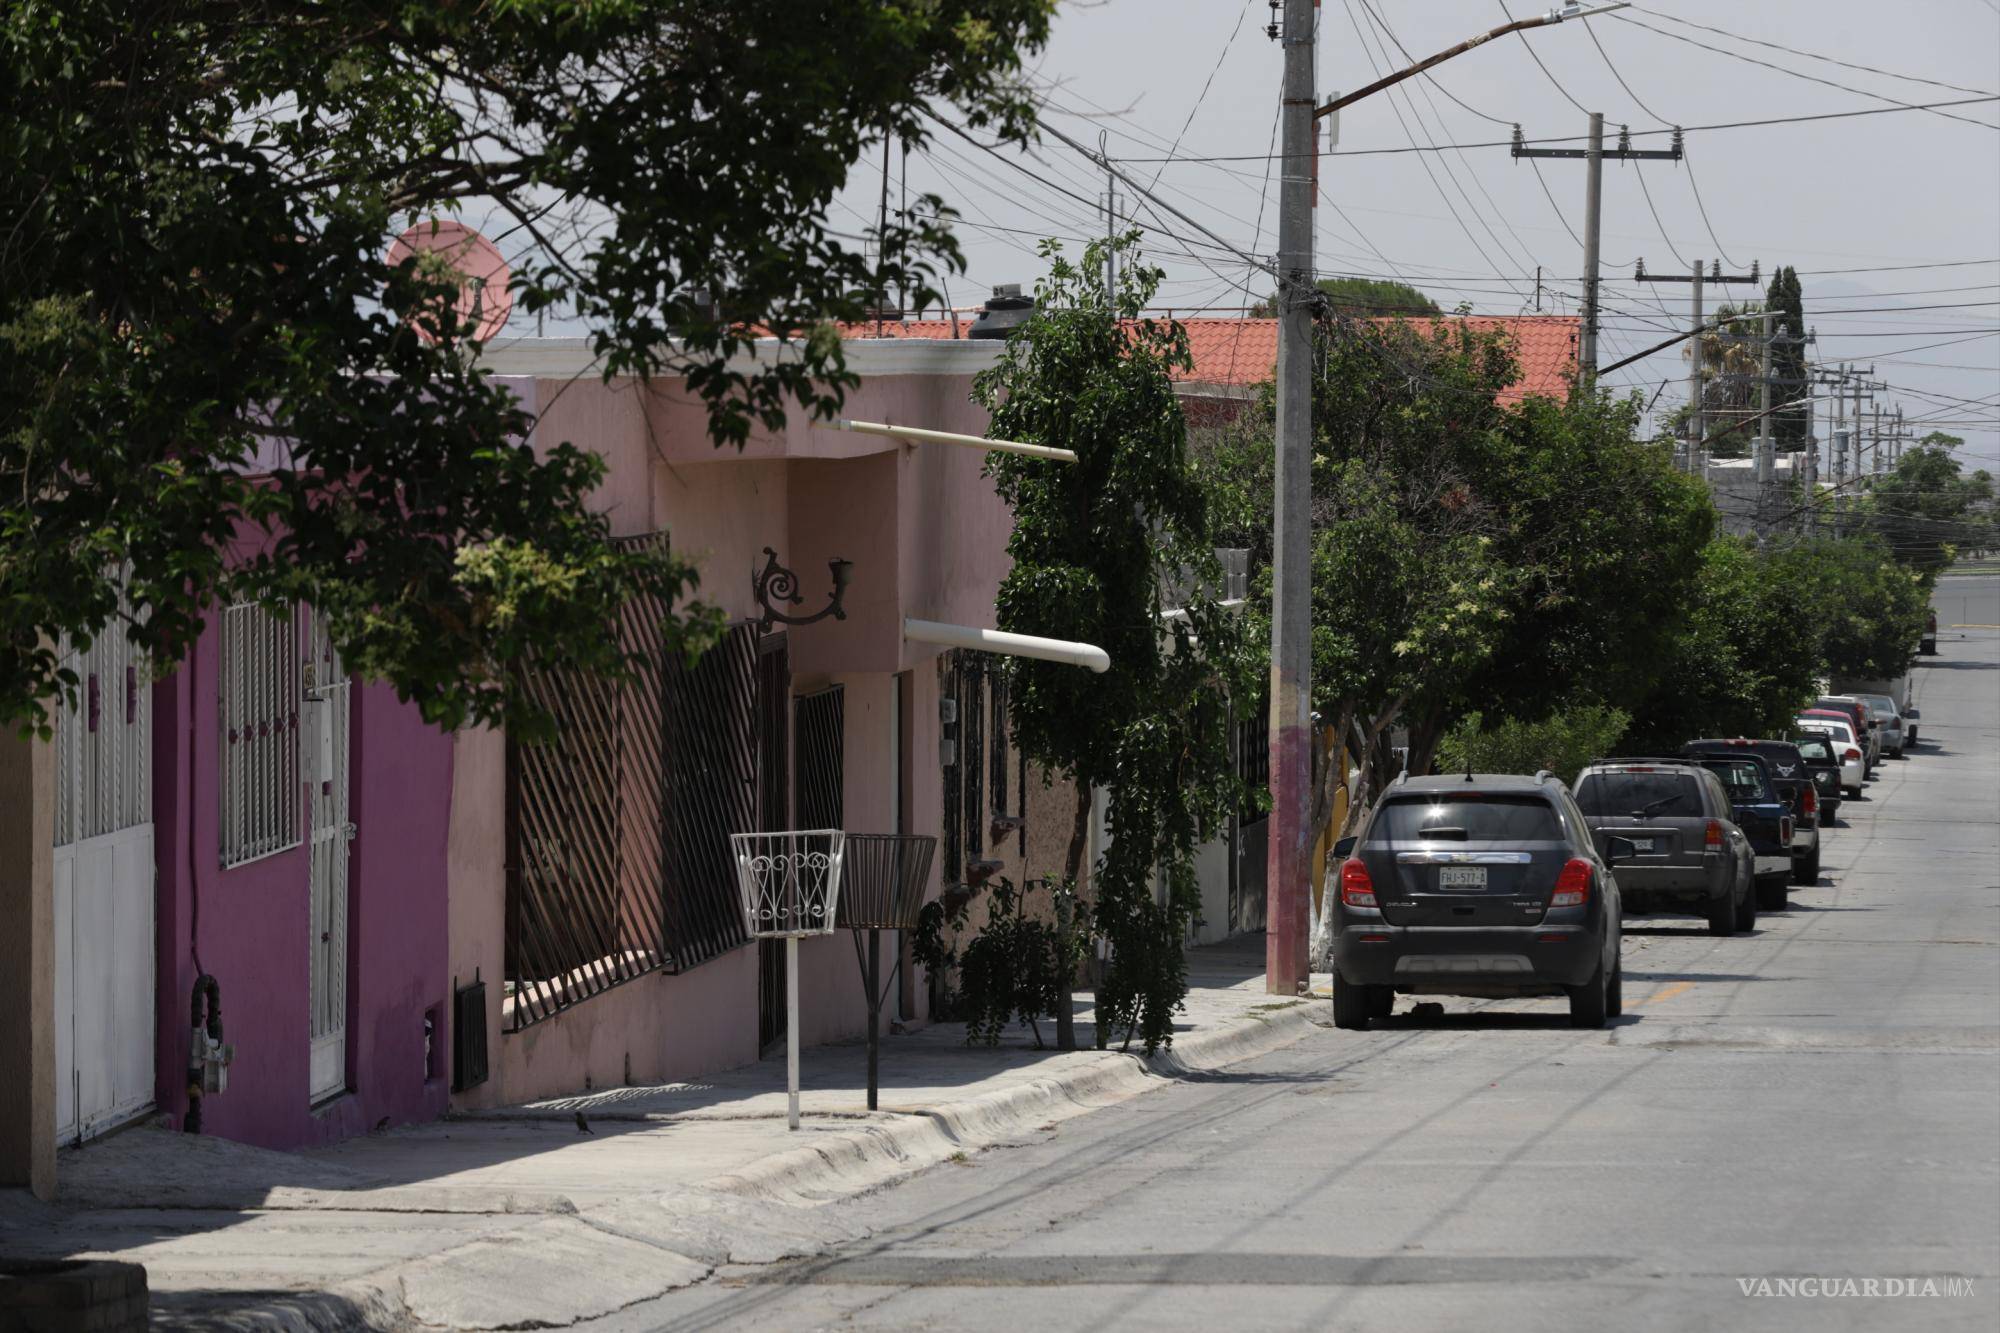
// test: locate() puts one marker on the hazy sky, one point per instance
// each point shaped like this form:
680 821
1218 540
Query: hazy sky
1854 204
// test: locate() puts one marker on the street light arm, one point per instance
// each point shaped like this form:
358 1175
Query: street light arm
1569 11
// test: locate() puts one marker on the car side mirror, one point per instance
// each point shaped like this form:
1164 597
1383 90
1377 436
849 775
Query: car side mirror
1344 848
1618 849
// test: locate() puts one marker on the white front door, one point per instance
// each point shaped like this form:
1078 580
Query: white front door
325 740
104 892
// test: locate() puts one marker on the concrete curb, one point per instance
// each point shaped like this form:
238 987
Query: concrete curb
774 1202
870 1156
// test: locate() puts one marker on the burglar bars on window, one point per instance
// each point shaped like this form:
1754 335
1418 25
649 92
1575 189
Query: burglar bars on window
259 697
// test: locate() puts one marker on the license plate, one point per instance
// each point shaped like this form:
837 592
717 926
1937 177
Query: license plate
1462 877
1645 845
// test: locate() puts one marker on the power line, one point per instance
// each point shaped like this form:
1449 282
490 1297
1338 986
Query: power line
1203 96
1368 52
1572 138
1809 78
1791 50
1529 47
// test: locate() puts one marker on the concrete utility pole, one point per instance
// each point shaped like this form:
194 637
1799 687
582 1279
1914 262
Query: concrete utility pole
1593 214
1288 898
1766 465
1695 357
1110 225
1593 224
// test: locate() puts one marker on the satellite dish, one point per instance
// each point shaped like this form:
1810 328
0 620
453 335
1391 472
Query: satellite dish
483 297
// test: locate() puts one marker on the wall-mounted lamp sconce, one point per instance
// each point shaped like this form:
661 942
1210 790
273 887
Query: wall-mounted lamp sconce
776 583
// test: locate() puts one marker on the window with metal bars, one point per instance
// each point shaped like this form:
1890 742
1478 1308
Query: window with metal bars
259 690
619 861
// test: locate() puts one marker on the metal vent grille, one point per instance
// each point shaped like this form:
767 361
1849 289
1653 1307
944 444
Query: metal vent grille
259 689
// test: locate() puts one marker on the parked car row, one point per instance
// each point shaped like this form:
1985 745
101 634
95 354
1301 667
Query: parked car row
1503 885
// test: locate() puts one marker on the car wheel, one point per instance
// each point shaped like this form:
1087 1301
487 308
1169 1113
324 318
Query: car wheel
1807 871
1722 915
1774 892
1854 793
1589 1004
1382 1001
1614 994
1746 908
1352 1005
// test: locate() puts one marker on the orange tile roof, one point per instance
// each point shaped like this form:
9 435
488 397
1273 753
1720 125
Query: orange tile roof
1243 352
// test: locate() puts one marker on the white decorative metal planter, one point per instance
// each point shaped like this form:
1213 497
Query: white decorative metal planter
790 886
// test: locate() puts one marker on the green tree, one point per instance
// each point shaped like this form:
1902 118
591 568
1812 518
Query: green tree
1095 543
1786 301
199 200
1868 608
1602 539
1407 592
1730 356
1924 509
1364 297
1744 655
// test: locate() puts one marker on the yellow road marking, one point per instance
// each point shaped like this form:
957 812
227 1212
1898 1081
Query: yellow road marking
1975 627
1678 988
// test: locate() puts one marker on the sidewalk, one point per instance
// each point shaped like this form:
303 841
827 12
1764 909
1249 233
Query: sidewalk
520 1217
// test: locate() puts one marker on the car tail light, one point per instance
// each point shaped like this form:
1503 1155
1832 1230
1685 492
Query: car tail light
1850 753
1573 884
1712 840
1811 802
1356 889
1785 829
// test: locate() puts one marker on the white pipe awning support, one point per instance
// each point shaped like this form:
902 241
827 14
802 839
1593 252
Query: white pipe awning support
948 437
1009 645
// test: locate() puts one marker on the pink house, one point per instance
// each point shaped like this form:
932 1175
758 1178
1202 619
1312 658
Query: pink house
593 941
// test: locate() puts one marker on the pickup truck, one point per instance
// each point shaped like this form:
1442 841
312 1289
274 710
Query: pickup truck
1793 778
1764 818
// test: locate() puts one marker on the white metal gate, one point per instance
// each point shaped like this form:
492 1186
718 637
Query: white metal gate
328 693
104 891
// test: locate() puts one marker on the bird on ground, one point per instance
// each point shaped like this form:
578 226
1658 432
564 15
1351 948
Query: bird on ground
582 1125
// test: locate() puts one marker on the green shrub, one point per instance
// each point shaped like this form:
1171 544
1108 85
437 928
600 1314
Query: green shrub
1561 743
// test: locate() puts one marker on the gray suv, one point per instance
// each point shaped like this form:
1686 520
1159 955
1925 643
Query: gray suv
1484 885
1688 855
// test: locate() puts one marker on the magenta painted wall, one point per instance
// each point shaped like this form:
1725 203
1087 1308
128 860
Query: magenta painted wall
251 932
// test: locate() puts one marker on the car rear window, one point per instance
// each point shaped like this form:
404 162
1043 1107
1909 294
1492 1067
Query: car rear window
1835 725
1495 818
1743 779
1657 794
1815 752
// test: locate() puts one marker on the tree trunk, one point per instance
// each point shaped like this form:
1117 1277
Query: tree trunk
1079 840
1425 736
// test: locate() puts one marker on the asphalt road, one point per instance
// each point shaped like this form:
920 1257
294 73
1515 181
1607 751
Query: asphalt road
1818 1100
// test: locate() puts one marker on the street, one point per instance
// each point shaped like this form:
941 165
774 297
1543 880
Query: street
1815 1100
